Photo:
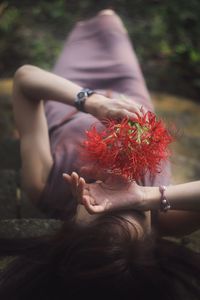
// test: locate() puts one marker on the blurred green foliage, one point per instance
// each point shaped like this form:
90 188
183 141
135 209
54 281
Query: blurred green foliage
164 32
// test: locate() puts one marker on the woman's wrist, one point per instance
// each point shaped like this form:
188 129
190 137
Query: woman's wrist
93 103
151 198
178 197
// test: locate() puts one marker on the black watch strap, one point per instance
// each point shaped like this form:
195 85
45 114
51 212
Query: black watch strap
81 98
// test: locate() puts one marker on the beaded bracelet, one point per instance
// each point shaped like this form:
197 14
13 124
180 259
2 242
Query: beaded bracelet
164 203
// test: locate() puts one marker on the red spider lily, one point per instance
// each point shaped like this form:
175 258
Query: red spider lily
129 148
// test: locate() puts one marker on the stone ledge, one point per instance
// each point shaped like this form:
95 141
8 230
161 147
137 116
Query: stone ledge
26 228
191 241
10 154
15 205
8 185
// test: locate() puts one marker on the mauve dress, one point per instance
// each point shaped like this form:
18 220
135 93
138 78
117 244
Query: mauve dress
97 54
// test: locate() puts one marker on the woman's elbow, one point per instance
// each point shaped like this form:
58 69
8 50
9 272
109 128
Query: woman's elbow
23 74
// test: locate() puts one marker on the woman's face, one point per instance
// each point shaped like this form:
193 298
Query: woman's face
139 223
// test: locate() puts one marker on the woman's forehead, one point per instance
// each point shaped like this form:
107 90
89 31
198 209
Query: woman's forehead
134 221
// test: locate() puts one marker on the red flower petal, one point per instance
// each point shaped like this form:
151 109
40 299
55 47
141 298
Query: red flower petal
129 148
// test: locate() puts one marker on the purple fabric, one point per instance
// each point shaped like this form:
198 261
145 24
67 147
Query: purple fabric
97 54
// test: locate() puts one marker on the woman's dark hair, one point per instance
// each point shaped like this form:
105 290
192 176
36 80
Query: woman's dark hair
100 260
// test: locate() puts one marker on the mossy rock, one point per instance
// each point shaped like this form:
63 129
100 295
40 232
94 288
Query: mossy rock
26 228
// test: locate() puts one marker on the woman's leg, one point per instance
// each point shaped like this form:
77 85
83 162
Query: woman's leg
98 54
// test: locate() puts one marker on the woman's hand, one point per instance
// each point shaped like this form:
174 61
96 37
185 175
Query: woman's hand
106 196
102 107
101 197
77 185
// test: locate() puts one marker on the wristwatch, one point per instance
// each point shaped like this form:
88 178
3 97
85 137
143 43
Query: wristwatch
81 98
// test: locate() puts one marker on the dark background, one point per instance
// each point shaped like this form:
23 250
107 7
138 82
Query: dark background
165 34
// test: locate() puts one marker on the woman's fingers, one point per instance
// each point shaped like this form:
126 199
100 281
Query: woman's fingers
67 177
130 108
137 110
80 189
71 181
74 182
77 184
130 112
127 113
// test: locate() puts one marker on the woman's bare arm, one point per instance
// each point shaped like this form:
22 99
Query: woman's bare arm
184 196
101 197
37 84
182 219
31 86
184 216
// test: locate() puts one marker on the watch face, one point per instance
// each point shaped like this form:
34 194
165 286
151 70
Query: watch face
81 95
